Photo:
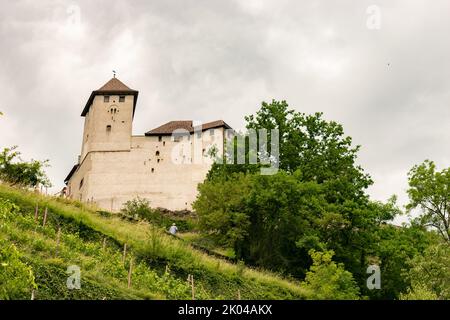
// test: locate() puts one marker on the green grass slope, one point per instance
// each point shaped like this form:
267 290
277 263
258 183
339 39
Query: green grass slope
94 242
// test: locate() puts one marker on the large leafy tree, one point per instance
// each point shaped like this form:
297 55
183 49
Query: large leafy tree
317 148
17 172
249 213
429 190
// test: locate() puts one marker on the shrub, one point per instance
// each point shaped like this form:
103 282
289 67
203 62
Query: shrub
328 280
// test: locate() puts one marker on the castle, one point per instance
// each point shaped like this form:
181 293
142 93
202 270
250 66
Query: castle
163 166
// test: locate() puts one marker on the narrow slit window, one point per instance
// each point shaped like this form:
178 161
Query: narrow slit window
157 153
108 128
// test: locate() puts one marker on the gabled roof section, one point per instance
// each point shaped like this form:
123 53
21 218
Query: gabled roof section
170 127
112 87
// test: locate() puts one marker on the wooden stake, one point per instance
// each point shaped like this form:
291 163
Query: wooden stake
32 294
193 287
239 294
129 273
58 237
36 213
104 243
124 252
45 217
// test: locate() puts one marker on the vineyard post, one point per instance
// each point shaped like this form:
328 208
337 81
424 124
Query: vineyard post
58 237
193 287
129 273
124 252
36 213
45 217
104 243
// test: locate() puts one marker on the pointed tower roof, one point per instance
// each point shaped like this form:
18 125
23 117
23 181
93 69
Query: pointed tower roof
112 87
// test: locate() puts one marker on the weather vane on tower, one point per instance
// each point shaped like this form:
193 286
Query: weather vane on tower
114 73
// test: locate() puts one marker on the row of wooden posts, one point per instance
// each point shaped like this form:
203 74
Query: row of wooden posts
190 278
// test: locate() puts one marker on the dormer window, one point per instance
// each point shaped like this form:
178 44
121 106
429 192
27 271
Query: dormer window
106 99
122 99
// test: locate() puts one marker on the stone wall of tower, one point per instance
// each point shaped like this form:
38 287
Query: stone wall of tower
108 125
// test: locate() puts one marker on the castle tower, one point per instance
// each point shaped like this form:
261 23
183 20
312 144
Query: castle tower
109 114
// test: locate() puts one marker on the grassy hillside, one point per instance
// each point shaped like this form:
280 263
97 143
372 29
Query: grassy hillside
94 241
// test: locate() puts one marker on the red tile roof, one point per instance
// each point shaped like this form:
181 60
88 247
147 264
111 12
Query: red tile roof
170 127
114 85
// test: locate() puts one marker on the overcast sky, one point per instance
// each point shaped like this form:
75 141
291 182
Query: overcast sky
381 68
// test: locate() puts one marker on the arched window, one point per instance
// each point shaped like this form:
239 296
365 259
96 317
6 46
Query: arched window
157 153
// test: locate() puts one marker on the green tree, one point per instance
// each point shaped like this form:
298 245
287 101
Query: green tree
328 280
429 190
430 274
316 147
392 249
222 210
20 173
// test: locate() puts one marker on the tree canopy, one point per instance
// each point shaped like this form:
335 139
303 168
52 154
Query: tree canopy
429 190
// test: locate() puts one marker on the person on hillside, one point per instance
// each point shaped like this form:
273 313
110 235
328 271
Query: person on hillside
173 229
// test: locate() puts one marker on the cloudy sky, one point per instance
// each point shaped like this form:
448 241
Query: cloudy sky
381 68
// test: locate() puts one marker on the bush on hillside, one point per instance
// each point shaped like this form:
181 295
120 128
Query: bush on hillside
140 209
328 280
16 278
17 172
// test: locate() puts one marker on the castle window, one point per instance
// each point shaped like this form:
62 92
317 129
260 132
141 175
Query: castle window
159 160
106 99
211 132
153 170
157 153
122 99
81 182
164 143
108 128
199 135
159 138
